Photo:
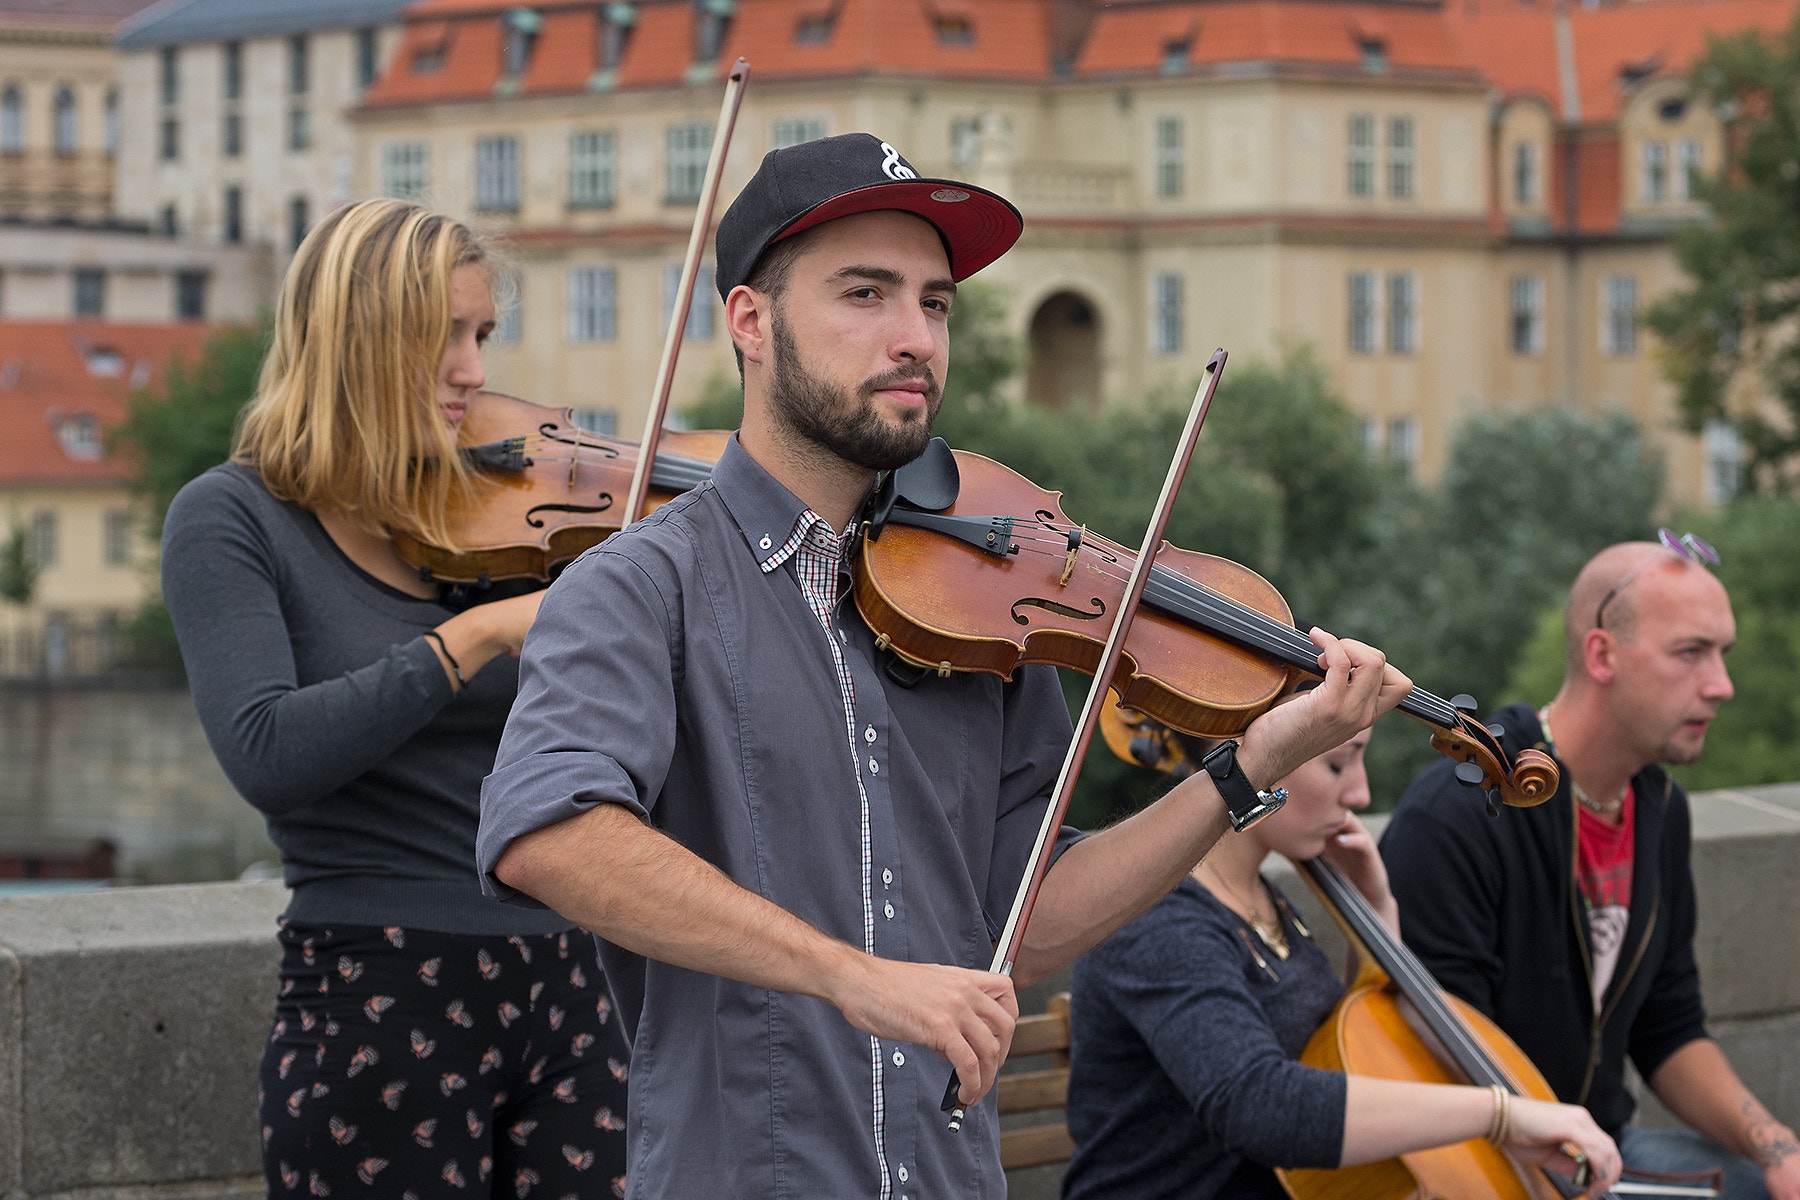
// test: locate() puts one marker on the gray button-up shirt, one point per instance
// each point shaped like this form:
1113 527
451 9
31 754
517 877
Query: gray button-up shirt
679 670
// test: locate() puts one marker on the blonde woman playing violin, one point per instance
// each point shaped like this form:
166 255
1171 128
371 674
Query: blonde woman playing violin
426 1041
1187 1023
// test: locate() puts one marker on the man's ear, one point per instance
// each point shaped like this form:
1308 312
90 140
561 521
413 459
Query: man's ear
1599 653
747 320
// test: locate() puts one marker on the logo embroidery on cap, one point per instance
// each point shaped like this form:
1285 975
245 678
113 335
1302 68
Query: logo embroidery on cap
892 167
950 195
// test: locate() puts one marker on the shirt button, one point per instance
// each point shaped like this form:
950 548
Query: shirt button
874 767
869 734
903 1175
899 1059
765 543
889 910
887 876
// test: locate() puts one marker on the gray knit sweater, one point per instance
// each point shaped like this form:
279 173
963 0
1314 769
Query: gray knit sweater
330 713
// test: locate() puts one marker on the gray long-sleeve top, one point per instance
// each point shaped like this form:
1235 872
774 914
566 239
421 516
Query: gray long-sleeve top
329 711
1182 1074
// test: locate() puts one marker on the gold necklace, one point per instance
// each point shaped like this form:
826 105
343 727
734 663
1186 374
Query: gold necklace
1270 932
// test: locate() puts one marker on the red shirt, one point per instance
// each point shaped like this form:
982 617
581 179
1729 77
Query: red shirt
1603 860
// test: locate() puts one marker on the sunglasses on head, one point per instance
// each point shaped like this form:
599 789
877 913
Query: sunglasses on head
1687 545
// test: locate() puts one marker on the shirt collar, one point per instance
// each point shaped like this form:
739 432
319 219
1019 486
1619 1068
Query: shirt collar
773 521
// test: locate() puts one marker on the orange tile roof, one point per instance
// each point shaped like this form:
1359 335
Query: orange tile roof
48 376
1131 38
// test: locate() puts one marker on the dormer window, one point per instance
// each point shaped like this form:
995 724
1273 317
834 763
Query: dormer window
80 436
709 33
814 28
522 25
616 22
431 46
1373 52
954 30
1175 55
103 362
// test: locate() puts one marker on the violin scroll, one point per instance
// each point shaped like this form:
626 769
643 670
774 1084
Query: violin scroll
1529 780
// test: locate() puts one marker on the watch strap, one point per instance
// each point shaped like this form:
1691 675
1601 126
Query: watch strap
1245 804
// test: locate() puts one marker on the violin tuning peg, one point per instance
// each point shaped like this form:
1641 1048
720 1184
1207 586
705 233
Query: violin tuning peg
1469 775
1463 702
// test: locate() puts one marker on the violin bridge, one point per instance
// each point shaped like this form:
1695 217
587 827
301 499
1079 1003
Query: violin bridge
1076 536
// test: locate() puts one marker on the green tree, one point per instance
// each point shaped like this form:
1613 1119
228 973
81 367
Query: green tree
1733 328
187 427
18 573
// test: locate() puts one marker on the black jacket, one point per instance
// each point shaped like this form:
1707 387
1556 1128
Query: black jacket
1490 905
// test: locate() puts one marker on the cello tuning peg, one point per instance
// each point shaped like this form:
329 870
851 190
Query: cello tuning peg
1492 807
1499 731
1469 775
1463 702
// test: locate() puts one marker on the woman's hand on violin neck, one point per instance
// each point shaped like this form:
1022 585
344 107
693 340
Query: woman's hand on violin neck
1537 1131
1359 686
475 637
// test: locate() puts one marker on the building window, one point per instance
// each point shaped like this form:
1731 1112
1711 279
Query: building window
299 220
12 119
231 70
62 121
80 434
1175 55
299 72
90 292
792 131
688 146
168 222
170 75
700 310
1367 434
709 35
231 136
171 139
593 312
231 220
1618 314
405 170
40 538
1362 312
954 30
1527 307
1400 157
593 169
109 131
1654 182
965 141
1403 443
367 58
190 295
1525 173
1724 453
1374 55
813 29
1403 312
616 21
1362 155
118 537
497 174
299 128
1168 156
508 300
1165 318
1687 169
603 421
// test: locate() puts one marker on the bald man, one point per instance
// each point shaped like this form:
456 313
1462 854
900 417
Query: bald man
1572 924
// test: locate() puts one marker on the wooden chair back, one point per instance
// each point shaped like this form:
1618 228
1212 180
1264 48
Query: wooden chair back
1041 1093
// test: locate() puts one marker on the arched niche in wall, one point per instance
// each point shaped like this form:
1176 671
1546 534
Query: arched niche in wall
1064 367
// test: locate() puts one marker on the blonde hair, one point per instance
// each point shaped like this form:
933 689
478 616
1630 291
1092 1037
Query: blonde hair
345 414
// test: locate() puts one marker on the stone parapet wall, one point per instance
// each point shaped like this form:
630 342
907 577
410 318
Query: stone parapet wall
131 1020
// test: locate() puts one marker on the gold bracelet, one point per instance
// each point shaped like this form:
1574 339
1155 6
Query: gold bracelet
1501 1125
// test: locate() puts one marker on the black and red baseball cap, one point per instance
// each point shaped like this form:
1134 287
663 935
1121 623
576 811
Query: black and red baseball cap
798 187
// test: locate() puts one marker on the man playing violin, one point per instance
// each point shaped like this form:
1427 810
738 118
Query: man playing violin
1572 924
797 850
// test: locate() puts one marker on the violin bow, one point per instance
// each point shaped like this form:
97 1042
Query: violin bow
1007 949
684 294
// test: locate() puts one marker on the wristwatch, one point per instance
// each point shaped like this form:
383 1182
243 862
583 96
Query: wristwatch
1243 802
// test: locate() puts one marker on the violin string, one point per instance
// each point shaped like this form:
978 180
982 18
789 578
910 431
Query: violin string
1221 613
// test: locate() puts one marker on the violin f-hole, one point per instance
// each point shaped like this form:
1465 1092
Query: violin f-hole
1061 610
536 522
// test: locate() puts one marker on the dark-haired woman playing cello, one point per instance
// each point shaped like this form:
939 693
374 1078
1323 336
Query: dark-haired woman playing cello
1187 1023
426 1041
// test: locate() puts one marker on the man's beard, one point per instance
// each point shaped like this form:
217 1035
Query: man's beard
818 412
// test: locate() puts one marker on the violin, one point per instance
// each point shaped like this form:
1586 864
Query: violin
967 566
546 490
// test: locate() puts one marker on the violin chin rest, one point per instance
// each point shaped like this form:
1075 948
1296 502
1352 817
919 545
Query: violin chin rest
931 481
